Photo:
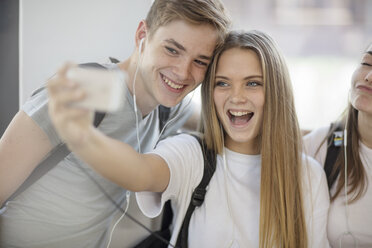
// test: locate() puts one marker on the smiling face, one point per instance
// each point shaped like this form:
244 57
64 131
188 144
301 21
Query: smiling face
239 99
361 86
174 61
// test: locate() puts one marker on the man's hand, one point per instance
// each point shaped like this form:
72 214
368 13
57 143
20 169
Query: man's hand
73 124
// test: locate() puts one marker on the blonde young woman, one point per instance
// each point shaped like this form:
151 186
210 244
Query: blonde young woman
264 192
349 224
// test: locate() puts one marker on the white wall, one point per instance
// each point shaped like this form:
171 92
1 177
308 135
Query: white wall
55 31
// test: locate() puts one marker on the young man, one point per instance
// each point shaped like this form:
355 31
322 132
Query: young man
65 208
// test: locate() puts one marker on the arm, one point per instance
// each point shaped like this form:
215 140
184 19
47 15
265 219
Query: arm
121 164
115 160
22 146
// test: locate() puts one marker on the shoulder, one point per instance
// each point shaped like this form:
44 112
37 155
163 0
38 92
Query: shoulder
183 140
311 166
317 135
313 145
180 145
38 100
314 179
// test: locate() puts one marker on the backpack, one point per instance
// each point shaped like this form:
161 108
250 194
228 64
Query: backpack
334 143
160 239
59 152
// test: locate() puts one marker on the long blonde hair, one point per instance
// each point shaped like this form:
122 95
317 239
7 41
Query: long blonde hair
282 222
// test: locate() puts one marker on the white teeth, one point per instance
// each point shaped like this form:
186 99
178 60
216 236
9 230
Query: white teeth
238 113
171 84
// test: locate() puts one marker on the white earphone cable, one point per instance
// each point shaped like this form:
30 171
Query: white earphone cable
137 134
127 197
134 94
348 232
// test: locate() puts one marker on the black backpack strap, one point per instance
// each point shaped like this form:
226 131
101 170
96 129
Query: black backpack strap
333 150
92 65
167 216
57 154
198 195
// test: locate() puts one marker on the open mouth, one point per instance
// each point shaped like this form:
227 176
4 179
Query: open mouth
239 117
171 83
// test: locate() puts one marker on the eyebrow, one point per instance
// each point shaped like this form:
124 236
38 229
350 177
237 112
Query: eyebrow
369 52
179 46
246 78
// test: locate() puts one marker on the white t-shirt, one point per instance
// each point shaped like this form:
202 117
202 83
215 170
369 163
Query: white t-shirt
360 212
210 224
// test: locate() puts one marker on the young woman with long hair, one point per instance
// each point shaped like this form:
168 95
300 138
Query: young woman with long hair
264 192
350 212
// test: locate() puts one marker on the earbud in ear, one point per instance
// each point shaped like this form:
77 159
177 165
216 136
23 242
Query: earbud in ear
140 45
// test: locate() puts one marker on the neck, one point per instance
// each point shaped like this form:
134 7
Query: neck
143 98
248 148
365 127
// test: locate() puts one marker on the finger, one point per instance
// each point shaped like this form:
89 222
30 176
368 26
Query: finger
72 123
63 113
76 114
56 85
64 69
60 79
67 98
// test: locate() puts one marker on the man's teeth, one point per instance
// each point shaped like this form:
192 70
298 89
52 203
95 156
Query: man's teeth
238 113
171 84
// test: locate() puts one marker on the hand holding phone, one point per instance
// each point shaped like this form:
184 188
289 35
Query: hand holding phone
105 89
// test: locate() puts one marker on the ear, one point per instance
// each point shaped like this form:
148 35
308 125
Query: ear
141 32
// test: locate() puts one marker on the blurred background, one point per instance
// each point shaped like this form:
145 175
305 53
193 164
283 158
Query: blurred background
322 41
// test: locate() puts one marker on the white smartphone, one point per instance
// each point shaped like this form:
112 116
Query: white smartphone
105 89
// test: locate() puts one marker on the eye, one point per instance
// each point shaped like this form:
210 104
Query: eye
171 50
366 64
221 84
253 83
201 63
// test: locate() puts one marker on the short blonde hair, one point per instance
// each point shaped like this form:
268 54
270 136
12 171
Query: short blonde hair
210 12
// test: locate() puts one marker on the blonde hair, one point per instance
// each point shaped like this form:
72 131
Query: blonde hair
210 12
282 222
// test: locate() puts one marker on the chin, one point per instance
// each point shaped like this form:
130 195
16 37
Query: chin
363 105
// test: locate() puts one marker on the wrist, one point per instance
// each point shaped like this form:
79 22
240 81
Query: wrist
87 138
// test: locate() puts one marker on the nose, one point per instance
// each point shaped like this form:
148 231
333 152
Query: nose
237 95
183 68
368 77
